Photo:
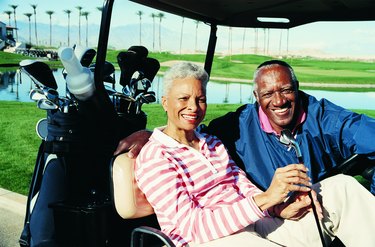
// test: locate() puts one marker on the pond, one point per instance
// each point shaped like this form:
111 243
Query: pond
15 86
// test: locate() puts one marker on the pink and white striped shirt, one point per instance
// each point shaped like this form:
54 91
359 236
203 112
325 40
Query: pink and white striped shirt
198 196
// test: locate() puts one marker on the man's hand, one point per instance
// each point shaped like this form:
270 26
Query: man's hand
297 206
288 179
133 143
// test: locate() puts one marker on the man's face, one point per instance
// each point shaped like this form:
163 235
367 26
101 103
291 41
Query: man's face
277 96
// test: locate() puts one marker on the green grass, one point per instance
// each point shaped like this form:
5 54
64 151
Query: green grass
243 66
19 142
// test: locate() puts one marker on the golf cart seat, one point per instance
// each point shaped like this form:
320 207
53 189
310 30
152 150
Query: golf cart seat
131 203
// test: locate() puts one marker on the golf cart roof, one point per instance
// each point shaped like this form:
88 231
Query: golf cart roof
245 13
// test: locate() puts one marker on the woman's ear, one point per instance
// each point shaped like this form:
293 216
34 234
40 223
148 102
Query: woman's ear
164 103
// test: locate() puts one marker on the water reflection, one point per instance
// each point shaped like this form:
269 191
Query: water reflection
15 86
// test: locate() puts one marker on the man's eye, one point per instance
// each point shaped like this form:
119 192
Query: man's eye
287 91
183 98
267 95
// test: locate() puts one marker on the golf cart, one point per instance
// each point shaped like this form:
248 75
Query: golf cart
243 14
84 128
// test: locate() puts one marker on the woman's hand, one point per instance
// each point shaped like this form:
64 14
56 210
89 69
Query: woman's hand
297 206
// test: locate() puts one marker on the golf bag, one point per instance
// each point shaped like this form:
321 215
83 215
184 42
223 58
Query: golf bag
69 202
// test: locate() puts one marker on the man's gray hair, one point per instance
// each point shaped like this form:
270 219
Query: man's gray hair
184 70
269 65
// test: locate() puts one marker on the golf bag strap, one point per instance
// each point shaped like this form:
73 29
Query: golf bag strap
35 186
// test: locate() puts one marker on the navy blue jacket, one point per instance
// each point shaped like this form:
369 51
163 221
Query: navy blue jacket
329 135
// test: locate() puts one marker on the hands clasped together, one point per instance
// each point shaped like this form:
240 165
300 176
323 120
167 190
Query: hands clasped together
288 195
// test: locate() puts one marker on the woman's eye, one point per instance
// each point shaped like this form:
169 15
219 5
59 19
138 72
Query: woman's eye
202 100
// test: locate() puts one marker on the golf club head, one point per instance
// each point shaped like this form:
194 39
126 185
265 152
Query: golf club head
51 94
110 91
37 94
146 83
148 97
108 70
286 137
128 62
46 104
84 54
39 72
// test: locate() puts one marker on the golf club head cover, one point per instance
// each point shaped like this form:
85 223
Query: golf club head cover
79 79
150 66
84 54
128 62
140 50
39 72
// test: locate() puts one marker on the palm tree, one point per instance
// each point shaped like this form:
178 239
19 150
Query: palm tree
264 41
230 43
243 40
280 41
196 34
79 23
268 41
256 41
86 14
28 15
50 13
287 42
100 9
140 13
68 11
160 16
9 13
153 16
15 19
182 32
36 33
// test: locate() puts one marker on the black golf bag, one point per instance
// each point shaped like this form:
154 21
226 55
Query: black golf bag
69 202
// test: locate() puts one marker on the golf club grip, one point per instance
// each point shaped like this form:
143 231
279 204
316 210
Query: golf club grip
317 219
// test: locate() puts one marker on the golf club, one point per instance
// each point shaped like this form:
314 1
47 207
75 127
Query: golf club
37 94
286 137
46 104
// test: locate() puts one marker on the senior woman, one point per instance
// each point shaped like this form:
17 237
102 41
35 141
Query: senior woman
201 198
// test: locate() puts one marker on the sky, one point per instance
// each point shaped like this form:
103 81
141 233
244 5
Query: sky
322 39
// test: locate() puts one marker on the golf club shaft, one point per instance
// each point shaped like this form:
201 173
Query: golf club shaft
300 160
317 219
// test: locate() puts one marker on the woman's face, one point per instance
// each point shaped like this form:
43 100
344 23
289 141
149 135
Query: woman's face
185 104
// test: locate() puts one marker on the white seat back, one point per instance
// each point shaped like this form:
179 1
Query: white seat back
129 200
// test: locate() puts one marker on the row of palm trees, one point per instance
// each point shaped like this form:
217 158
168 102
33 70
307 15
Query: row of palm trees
50 13
155 16
266 35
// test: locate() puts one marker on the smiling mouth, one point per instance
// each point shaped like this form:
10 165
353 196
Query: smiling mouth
190 117
281 111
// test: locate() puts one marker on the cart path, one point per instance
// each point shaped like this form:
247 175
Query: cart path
302 84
